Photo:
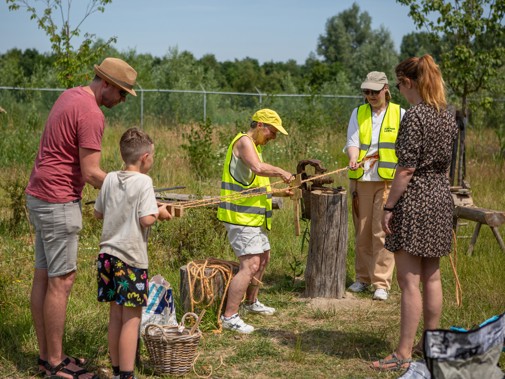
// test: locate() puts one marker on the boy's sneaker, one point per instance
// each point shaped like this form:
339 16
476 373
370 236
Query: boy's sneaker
358 287
236 324
259 308
380 294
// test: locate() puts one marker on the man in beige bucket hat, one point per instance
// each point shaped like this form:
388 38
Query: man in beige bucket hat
68 158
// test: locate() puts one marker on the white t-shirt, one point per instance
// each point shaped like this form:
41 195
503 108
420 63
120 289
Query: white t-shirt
125 197
370 172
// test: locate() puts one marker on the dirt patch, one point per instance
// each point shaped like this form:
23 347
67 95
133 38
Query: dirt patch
349 302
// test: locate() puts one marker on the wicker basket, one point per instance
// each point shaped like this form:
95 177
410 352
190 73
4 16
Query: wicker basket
172 349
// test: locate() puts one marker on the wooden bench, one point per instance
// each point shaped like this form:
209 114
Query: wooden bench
481 216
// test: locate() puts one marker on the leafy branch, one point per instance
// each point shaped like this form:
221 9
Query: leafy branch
73 64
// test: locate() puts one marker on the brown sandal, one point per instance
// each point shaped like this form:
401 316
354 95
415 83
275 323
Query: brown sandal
391 363
62 367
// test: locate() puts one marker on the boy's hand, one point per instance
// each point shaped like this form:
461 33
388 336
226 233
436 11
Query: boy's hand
163 213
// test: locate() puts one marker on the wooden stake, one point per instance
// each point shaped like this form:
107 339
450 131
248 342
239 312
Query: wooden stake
297 195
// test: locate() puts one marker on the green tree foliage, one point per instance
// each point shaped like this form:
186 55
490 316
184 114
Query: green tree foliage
243 75
345 33
72 63
417 44
471 34
352 44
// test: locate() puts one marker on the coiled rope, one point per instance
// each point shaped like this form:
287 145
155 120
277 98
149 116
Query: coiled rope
203 279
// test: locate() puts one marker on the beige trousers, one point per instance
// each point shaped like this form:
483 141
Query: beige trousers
374 264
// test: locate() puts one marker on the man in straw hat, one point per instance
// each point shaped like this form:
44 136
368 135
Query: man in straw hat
68 158
245 216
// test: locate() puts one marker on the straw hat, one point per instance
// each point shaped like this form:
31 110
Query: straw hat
118 73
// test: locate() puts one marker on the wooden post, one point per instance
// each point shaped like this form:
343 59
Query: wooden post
297 195
326 263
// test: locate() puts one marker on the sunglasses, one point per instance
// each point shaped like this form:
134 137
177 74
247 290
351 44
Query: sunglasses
397 85
368 92
123 93
272 129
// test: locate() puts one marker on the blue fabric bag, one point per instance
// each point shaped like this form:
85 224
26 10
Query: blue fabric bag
160 307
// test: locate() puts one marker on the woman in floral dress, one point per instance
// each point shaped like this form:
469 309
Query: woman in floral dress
418 213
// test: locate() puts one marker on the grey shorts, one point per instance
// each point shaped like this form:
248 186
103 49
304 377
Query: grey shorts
246 240
57 227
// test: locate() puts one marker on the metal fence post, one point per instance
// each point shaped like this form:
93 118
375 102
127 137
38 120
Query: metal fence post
141 106
204 104
259 93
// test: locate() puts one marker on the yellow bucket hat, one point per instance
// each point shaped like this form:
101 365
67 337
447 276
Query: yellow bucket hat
269 117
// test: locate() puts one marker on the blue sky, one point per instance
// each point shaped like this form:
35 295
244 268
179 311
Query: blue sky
268 30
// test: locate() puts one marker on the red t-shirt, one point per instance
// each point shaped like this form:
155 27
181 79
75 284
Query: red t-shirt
75 121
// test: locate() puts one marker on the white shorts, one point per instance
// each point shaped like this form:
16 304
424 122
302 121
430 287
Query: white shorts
246 240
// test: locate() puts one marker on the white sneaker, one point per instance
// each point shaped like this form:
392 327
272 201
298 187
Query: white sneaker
236 324
259 308
358 287
380 294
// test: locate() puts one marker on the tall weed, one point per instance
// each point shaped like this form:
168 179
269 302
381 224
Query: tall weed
202 158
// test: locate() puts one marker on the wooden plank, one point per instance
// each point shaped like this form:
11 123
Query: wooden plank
484 216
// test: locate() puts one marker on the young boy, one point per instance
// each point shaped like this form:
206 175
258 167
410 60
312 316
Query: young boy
127 204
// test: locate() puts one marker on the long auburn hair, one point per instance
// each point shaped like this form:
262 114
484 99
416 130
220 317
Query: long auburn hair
426 73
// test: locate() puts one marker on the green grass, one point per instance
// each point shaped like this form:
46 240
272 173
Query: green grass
305 338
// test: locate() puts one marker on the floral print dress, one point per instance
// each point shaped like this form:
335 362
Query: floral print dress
422 217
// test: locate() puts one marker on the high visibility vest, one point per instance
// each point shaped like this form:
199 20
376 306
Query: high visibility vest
387 139
248 211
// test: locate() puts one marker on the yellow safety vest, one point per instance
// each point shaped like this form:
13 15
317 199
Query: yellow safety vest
387 139
248 211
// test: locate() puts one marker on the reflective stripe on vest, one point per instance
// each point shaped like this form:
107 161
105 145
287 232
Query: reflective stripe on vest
387 138
248 211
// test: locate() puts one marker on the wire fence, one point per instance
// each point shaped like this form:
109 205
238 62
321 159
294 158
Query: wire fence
185 106
174 106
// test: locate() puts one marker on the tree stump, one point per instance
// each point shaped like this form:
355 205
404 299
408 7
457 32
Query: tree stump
208 284
325 273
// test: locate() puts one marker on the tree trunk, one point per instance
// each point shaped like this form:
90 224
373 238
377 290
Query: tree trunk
326 263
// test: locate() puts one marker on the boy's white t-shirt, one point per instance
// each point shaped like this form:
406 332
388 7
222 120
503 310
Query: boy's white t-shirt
124 198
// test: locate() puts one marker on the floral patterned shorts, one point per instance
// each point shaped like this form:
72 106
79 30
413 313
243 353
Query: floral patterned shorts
119 282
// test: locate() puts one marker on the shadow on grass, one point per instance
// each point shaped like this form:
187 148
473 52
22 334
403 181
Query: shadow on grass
338 344
279 282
